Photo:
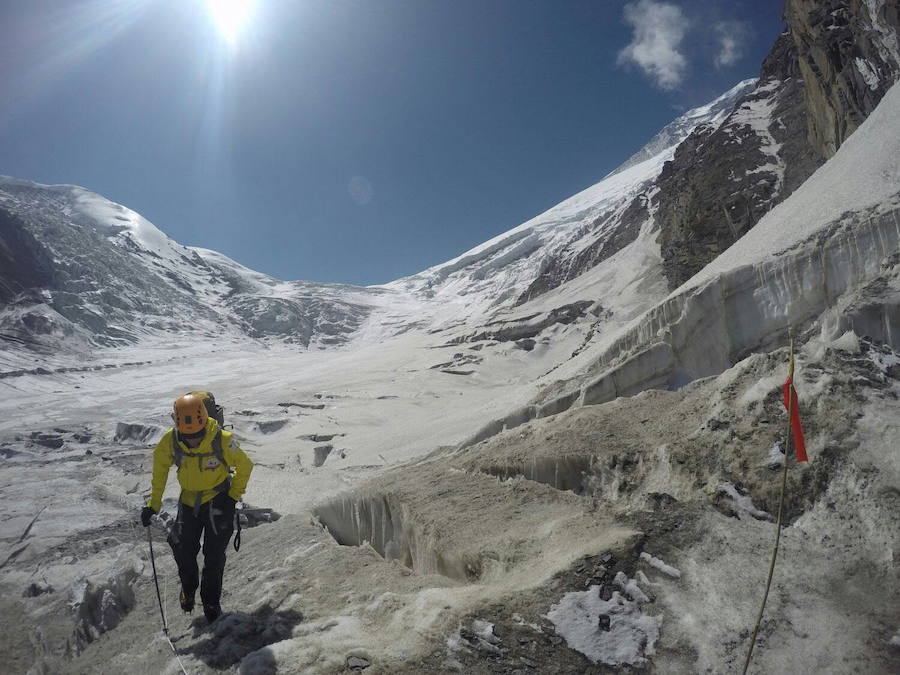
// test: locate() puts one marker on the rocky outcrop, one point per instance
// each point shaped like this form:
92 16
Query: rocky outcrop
721 181
24 265
619 221
822 78
848 58
526 327
676 131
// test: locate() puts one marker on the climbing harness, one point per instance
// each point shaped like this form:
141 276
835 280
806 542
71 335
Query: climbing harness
159 599
787 448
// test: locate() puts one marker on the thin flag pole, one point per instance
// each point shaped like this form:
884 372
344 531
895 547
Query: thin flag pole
787 455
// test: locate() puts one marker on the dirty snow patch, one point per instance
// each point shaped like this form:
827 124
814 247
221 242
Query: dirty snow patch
658 564
630 587
776 456
631 635
742 502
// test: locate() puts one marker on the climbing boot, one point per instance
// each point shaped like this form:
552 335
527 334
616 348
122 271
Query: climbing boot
212 612
187 601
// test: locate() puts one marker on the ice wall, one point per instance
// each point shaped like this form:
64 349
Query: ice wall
706 329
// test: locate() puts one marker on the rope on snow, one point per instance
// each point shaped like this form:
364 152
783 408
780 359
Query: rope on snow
787 449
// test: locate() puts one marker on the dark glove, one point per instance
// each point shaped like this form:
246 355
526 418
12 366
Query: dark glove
146 514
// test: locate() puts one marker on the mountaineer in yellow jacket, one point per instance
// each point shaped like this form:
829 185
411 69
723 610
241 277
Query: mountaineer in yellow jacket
203 454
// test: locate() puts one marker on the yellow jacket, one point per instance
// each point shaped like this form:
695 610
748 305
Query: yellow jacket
199 475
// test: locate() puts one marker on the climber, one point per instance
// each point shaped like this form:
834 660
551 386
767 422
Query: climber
204 455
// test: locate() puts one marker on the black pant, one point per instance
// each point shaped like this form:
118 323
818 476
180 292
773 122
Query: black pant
216 519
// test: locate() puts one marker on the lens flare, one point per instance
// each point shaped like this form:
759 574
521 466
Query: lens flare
230 16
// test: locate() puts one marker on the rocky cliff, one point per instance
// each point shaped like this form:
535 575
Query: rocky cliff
823 77
848 58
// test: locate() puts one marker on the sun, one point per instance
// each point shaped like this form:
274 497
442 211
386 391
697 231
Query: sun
230 16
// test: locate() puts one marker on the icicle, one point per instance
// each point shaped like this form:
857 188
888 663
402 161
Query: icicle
384 521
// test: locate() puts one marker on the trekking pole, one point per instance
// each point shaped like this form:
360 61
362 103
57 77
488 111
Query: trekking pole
159 598
156 582
787 451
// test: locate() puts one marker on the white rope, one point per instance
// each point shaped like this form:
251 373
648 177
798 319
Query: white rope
165 630
175 652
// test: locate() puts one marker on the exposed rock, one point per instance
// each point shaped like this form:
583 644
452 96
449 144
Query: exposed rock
357 663
270 426
24 262
823 76
100 604
618 224
510 330
722 180
35 589
140 433
848 59
321 454
318 438
52 441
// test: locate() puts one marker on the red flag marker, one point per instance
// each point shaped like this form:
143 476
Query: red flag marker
793 405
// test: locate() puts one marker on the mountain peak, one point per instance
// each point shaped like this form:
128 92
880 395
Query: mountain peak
680 128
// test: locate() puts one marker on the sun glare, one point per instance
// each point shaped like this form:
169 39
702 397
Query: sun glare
230 16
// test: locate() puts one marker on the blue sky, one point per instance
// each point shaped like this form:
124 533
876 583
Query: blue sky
354 141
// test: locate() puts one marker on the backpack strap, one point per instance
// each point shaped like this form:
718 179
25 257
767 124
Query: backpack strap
217 447
177 452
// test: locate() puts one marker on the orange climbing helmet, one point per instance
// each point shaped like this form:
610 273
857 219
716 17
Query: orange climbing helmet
190 414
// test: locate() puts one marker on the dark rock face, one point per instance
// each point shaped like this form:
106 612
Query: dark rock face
848 59
24 264
721 181
824 75
617 226
523 328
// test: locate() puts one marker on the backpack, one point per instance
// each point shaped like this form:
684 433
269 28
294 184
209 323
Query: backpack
217 412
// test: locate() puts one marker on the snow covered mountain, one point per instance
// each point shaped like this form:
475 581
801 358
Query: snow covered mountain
577 233
557 452
81 271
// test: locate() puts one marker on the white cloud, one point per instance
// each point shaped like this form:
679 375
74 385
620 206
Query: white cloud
655 47
731 36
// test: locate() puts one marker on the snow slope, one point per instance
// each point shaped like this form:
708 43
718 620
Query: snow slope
495 274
